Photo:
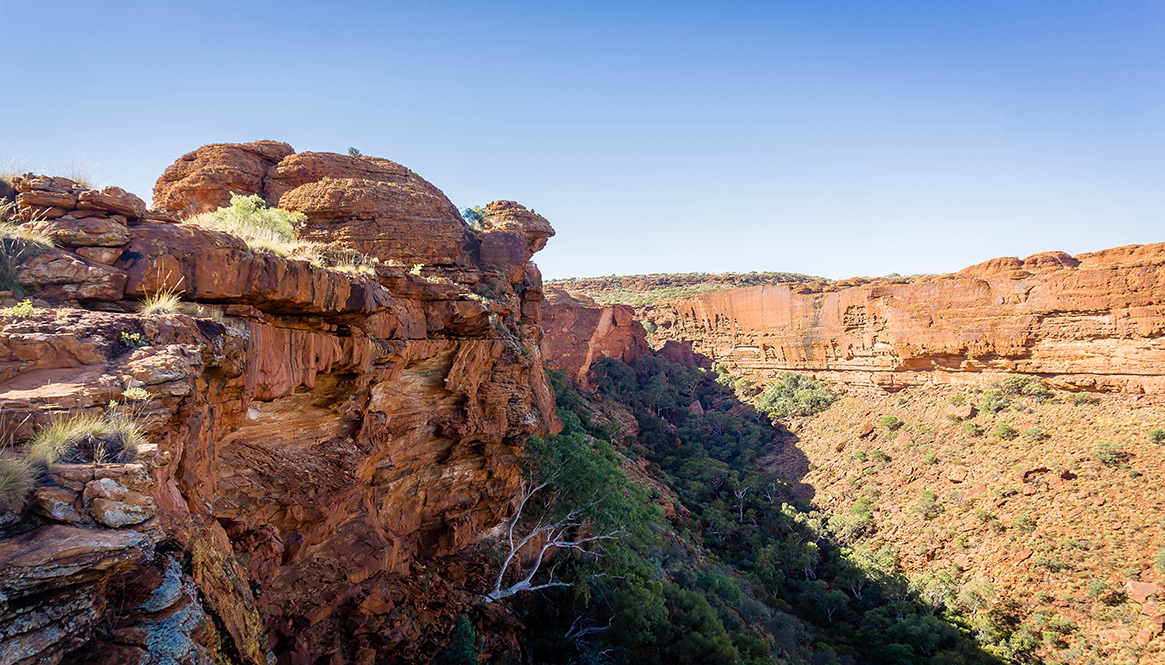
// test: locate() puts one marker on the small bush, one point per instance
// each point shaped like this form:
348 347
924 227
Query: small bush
890 422
136 394
928 505
1005 432
1082 398
21 310
17 478
959 400
464 646
132 340
930 459
1157 436
1025 523
96 439
795 395
475 216
972 430
1034 434
262 228
1160 562
993 401
1111 454
416 269
164 301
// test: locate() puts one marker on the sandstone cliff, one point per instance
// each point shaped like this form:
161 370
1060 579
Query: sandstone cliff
1094 322
579 332
319 438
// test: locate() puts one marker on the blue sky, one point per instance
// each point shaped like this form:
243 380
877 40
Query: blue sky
832 138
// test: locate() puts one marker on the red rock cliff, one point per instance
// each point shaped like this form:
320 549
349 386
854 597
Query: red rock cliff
1095 321
579 332
320 441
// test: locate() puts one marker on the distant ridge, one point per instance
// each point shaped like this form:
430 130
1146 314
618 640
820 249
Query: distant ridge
654 287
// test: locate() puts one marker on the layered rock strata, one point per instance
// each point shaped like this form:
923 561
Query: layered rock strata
321 435
1091 322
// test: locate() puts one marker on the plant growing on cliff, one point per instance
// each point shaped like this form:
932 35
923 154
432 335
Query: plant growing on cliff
554 529
100 439
21 310
18 243
1157 436
17 478
464 645
795 395
162 301
249 218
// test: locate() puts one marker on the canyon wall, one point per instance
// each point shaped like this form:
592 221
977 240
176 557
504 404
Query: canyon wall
1091 322
579 332
319 438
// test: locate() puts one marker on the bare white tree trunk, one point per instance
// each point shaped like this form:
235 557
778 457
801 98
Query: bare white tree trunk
558 534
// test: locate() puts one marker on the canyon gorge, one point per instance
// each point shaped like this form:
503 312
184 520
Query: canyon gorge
336 433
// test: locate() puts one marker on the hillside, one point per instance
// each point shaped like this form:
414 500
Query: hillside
1057 520
638 290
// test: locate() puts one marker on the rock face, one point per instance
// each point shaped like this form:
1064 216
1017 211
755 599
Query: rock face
368 204
578 333
322 437
1093 322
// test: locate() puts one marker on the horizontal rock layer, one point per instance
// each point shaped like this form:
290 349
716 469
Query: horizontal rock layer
1094 322
321 436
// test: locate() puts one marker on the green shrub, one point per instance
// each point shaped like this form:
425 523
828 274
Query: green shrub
928 505
993 401
249 218
1034 434
959 399
1082 398
1157 436
464 645
475 216
1111 454
1159 563
795 395
132 340
972 430
1005 432
930 459
890 422
97 439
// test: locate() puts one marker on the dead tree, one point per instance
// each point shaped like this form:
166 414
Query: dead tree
566 532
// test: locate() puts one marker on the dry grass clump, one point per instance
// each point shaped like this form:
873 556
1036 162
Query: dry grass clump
18 243
163 301
97 439
276 231
17 478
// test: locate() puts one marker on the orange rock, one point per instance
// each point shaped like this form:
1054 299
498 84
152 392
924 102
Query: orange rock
579 333
1139 592
1085 323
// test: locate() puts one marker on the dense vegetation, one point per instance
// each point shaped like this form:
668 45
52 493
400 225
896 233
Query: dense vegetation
742 573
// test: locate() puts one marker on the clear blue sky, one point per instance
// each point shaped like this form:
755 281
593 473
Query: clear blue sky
833 138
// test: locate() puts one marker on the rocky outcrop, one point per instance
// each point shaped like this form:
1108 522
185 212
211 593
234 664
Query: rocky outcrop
322 437
1093 322
367 204
579 333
